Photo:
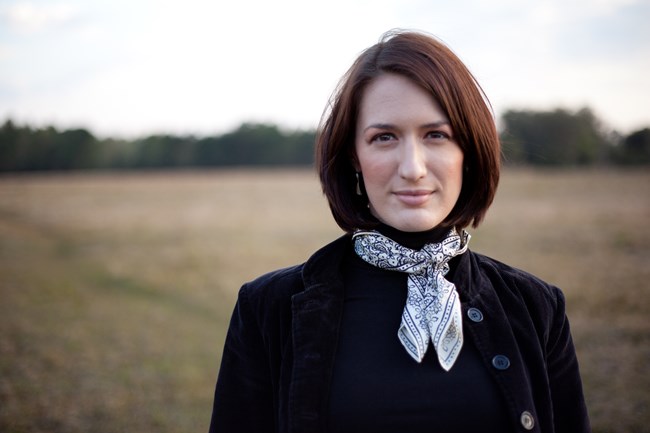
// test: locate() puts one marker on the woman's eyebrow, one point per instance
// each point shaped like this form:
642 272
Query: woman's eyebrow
389 126
379 126
437 124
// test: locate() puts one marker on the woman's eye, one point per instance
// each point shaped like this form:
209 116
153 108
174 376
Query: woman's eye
438 135
383 137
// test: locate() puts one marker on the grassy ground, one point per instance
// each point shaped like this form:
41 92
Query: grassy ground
115 290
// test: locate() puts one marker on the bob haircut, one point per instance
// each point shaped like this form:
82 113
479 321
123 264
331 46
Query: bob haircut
430 64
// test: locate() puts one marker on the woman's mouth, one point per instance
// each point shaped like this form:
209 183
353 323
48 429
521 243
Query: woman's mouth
413 197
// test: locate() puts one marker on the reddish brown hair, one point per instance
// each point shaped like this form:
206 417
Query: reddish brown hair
433 66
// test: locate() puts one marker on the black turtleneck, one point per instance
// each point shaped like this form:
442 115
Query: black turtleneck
414 240
377 387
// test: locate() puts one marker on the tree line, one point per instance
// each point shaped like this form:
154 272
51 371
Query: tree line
548 138
23 148
561 137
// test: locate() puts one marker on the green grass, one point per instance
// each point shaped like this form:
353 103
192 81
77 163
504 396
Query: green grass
116 290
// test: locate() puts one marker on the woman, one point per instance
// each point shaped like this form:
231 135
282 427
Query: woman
397 326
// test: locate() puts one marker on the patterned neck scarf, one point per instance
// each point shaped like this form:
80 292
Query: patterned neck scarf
432 310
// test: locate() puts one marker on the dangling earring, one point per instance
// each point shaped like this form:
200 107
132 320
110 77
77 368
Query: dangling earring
359 193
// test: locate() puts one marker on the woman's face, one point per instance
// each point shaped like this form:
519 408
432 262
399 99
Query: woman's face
411 165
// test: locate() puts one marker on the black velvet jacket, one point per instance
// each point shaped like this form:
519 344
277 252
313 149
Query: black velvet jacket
280 348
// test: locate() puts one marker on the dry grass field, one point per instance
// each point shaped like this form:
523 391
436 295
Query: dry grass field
116 289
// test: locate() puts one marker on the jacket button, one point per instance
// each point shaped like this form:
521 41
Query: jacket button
527 420
475 315
501 362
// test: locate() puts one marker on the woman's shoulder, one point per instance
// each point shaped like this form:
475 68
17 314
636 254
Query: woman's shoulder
283 283
271 292
283 280
522 283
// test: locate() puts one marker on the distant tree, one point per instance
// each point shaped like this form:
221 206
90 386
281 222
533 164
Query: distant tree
556 137
208 152
255 144
10 150
158 151
75 149
634 148
23 148
301 145
115 153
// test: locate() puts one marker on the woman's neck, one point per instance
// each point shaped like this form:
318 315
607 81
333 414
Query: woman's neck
414 240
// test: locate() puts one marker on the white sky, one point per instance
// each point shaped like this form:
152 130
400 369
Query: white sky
135 67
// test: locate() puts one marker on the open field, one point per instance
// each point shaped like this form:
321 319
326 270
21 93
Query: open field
116 289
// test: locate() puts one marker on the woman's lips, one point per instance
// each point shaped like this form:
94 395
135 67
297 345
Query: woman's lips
413 197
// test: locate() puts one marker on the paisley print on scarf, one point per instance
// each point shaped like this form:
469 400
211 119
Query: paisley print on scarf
432 311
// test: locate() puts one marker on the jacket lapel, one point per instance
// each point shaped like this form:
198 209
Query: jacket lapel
316 316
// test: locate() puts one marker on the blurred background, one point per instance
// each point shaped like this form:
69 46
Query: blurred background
155 155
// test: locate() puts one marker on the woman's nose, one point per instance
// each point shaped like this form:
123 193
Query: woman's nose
412 165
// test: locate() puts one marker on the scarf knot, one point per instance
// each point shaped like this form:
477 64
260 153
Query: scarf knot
432 311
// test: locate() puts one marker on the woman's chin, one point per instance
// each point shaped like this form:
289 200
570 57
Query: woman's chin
413 220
